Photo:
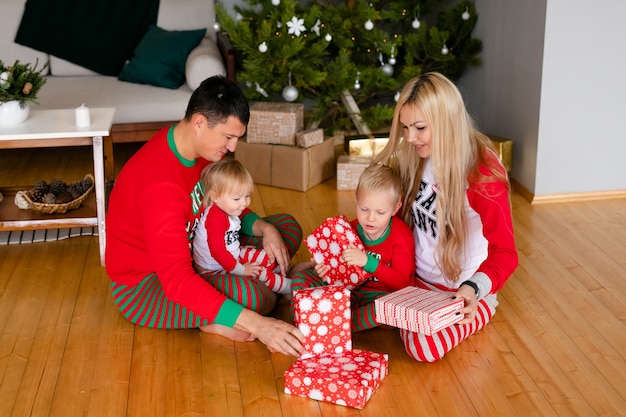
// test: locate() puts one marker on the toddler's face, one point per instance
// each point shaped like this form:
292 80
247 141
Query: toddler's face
233 203
374 210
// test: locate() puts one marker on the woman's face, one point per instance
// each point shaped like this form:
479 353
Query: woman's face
415 129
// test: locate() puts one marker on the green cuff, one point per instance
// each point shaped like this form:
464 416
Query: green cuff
247 222
371 265
229 313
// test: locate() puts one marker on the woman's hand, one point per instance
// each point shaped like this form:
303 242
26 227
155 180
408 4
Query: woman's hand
279 336
468 294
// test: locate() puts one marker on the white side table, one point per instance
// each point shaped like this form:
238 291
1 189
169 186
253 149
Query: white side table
56 128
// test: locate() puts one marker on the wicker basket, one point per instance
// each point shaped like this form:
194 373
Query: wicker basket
23 200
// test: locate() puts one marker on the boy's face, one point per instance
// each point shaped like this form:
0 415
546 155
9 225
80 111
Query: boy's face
232 203
374 210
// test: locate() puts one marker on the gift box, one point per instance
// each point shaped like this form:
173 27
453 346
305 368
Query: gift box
308 138
275 123
323 316
348 378
327 242
287 166
418 310
365 145
349 169
504 149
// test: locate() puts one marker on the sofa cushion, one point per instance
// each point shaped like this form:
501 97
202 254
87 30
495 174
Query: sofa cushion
133 102
204 61
160 57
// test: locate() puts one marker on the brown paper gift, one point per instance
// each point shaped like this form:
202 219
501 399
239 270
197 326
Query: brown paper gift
285 166
308 138
275 123
349 169
504 149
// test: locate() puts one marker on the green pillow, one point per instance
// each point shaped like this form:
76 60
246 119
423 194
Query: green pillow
160 57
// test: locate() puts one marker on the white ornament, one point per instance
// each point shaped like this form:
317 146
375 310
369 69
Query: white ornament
465 15
217 26
275 2
444 50
261 90
357 83
392 60
4 80
387 69
290 93
416 23
296 26
316 27
328 37
396 97
238 17
263 48
369 25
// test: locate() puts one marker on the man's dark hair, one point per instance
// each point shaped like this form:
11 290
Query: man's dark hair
217 98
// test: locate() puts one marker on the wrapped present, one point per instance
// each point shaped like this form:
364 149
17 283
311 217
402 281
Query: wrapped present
418 310
327 242
347 379
349 169
323 316
504 149
308 138
275 123
365 145
288 166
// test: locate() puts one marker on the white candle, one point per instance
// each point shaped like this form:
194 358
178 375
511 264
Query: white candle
82 116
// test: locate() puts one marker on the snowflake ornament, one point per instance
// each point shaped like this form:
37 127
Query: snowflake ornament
296 26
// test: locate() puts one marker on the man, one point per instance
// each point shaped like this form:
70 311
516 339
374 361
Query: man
153 211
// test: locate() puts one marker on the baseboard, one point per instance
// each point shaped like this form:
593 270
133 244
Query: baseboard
566 197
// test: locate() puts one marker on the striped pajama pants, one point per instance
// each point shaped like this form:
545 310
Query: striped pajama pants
361 299
432 348
145 304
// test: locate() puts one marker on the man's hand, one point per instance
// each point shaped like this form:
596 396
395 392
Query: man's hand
279 336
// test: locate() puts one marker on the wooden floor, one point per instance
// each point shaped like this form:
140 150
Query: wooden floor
556 347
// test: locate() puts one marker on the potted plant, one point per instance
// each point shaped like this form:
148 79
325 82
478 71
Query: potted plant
19 85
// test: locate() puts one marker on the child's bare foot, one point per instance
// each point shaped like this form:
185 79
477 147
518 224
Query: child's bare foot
235 335
301 266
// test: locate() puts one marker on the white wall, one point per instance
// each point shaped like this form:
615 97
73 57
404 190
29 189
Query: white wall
553 80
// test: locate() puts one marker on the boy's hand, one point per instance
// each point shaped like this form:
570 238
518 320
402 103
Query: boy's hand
354 256
321 271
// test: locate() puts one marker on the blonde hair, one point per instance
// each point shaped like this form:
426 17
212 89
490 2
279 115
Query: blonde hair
379 177
225 176
458 151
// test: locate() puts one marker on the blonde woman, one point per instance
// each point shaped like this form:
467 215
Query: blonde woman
457 203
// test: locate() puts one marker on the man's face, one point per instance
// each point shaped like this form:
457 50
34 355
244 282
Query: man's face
212 143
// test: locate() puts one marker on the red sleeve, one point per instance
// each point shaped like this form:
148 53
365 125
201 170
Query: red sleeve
216 225
491 201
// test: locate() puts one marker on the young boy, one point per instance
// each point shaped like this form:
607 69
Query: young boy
389 255
216 246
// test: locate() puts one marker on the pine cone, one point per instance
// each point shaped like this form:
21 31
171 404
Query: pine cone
64 197
75 189
57 186
49 198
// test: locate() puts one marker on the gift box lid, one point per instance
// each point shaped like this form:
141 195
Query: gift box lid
419 310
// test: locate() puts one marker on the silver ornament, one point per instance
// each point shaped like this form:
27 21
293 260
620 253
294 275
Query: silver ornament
328 37
263 48
416 23
369 25
387 69
290 93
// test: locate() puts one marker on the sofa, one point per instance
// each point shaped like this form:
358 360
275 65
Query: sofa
141 109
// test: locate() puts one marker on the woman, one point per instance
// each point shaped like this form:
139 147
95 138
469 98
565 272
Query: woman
457 202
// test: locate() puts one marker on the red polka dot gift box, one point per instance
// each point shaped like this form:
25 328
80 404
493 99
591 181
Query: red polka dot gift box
418 310
326 244
349 378
323 316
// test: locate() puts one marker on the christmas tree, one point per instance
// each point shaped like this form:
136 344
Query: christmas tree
348 58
